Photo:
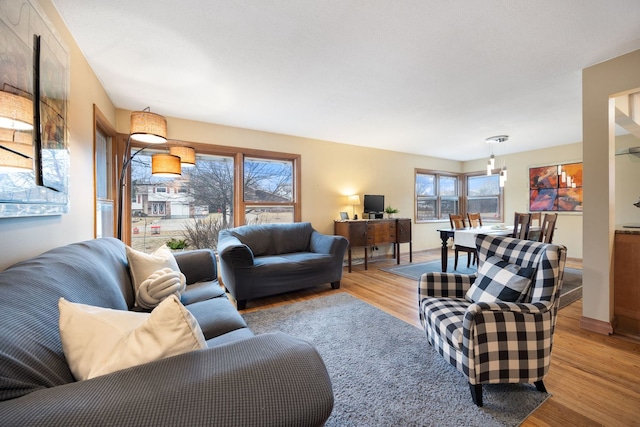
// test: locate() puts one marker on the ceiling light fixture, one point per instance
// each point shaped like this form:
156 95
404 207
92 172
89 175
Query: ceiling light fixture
498 139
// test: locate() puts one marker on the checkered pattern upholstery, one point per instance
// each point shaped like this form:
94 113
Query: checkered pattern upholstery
498 342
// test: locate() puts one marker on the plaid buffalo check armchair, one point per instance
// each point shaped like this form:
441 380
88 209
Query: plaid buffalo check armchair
496 326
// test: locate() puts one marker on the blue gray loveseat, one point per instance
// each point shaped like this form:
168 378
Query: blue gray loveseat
238 380
269 259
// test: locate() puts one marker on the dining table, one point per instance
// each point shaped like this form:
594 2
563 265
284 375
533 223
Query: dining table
467 237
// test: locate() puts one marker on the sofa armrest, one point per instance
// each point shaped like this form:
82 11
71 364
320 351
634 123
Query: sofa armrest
327 244
444 285
268 380
197 265
234 253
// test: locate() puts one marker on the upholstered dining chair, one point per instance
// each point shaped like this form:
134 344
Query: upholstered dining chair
548 227
521 224
475 219
457 222
496 325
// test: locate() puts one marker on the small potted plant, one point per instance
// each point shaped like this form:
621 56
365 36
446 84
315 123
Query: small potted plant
177 245
390 211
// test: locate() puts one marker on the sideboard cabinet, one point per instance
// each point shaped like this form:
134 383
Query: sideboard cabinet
626 282
365 233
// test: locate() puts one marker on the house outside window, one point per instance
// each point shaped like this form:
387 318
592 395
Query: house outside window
204 200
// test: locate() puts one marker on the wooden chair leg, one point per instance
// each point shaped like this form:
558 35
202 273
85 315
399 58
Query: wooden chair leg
540 386
476 393
455 263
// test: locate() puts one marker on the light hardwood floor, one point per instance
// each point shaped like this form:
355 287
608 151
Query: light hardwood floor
594 379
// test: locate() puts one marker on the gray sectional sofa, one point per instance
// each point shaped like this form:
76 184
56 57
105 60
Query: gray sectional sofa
269 259
239 380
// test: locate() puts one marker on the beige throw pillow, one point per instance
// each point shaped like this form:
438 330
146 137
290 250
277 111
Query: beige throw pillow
97 341
143 266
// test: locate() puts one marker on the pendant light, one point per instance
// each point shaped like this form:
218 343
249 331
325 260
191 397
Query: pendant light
498 139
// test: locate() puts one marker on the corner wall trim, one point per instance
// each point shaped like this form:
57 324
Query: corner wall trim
597 326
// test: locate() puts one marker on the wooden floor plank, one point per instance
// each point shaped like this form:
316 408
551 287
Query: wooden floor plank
594 379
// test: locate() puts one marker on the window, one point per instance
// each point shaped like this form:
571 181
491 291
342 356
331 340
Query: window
483 194
268 190
104 222
437 195
204 200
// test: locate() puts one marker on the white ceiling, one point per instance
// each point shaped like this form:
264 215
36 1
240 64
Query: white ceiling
428 77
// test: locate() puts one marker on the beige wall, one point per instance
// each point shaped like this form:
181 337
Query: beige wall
330 172
599 83
36 234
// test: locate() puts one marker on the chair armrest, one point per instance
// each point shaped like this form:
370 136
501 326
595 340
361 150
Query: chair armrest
444 285
197 265
271 379
234 253
327 244
529 327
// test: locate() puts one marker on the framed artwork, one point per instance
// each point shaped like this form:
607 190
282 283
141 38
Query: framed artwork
34 64
556 188
344 215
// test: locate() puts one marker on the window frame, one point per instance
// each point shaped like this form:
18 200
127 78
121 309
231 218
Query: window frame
463 196
437 197
238 154
500 218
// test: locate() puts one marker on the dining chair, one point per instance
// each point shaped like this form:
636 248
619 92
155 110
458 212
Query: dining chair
475 219
521 223
536 222
547 228
457 222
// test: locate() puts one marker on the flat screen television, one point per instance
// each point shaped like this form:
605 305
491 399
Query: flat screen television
373 203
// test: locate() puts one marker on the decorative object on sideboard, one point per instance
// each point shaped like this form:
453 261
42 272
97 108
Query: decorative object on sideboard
390 211
354 200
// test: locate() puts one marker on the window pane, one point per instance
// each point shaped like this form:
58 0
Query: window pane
425 185
483 185
193 207
426 209
268 214
448 186
268 180
489 207
449 206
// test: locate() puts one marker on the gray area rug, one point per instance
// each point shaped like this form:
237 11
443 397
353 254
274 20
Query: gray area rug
571 285
385 373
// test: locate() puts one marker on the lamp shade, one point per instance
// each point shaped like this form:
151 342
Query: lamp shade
353 200
187 155
166 165
16 112
148 127
16 150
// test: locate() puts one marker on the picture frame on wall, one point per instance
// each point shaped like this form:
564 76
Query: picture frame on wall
556 188
34 64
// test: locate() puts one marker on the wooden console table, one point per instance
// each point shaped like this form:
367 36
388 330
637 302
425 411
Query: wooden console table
372 232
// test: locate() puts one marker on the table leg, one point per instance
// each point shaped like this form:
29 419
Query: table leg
349 260
445 250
